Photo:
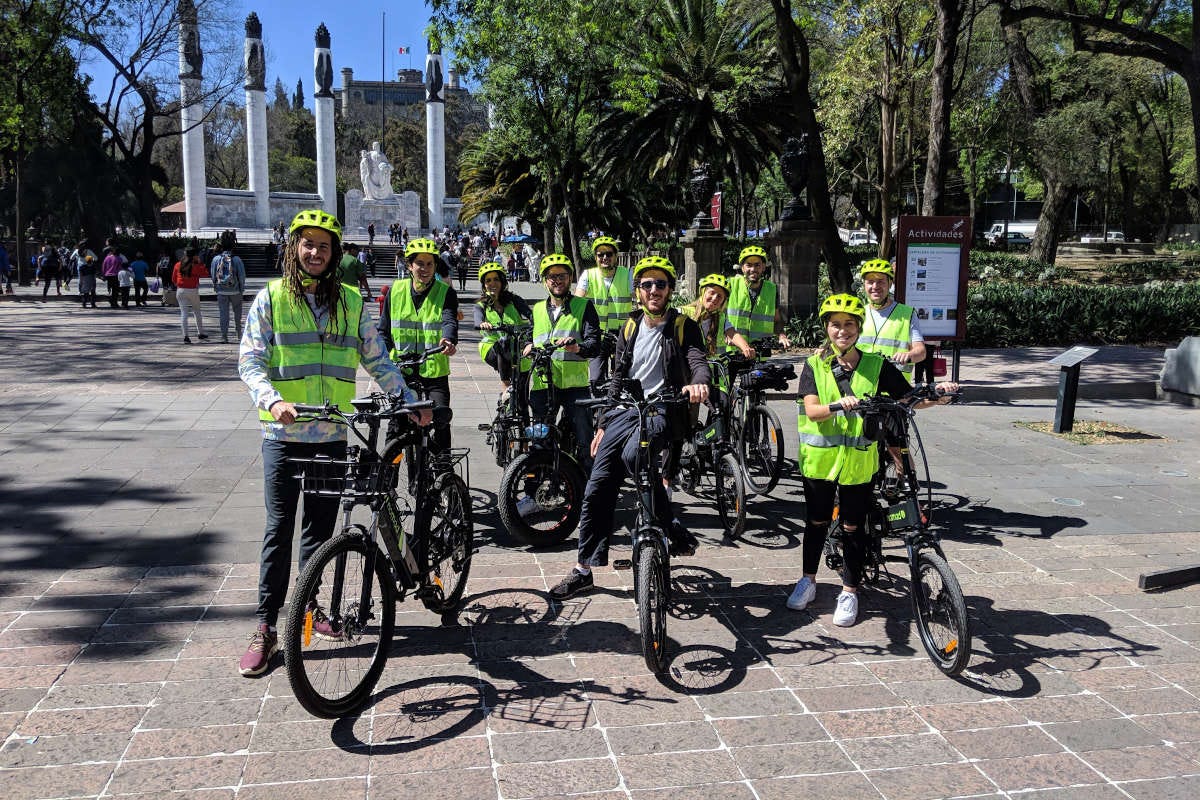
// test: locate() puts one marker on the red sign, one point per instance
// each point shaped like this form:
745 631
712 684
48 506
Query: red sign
932 268
714 210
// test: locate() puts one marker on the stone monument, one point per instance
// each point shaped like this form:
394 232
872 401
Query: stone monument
702 243
376 202
191 117
323 102
435 138
794 243
256 120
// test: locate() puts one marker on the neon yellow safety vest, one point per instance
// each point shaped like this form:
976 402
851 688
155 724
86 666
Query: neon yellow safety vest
488 339
751 322
836 449
568 370
416 331
613 302
895 335
306 365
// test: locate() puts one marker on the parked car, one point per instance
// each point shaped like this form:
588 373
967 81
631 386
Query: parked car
1113 236
861 238
1018 239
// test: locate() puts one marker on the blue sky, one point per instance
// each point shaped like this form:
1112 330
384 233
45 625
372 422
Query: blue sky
354 27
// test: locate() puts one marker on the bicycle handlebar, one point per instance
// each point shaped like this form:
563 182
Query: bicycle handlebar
380 404
414 360
879 404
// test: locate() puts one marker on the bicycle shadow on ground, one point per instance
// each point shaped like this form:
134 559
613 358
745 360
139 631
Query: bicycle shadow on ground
971 520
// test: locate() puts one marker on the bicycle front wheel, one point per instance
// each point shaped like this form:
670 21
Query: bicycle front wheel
760 448
941 613
652 607
731 497
539 504
339 626
451 544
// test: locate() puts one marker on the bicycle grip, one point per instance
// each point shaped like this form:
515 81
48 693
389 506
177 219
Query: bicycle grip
835 408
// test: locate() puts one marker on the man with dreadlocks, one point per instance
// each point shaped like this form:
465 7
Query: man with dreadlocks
305 337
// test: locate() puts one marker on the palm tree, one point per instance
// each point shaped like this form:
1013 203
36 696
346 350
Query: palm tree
702 86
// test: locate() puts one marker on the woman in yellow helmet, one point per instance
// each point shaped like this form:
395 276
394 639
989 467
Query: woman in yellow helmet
497 306
836 457
708 312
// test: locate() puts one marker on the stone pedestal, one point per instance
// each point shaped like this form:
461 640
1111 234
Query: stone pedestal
1180 379
191 120
701 256
361 211
795 250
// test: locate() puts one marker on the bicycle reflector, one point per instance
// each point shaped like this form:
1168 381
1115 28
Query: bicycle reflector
538 430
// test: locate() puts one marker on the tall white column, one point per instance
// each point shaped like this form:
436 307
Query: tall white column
323 102
256 121
435 139
191 115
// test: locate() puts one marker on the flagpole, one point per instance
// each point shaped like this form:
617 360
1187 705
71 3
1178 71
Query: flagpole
383 76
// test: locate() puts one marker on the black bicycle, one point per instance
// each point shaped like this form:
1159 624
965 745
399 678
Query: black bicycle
754 427
506 432
710 451
897 511
651 551
541 492
342 611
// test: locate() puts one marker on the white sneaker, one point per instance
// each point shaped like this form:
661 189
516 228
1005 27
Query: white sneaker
802 595
526 506
846 613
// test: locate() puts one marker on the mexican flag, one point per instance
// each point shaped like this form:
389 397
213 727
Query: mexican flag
405 50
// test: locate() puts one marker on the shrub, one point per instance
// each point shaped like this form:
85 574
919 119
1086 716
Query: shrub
1015 314
1132 272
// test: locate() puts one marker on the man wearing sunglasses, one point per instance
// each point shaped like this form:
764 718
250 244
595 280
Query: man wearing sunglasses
658 352
610 288
573 323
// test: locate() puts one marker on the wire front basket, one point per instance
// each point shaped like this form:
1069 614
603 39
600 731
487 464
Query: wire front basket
331 477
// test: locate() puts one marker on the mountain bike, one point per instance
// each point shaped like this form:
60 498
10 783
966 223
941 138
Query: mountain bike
541 491
506 431
754 427
651 556
710 451
938 605
342 611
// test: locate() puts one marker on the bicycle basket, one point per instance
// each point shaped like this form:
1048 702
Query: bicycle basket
773 377
331 477
902 516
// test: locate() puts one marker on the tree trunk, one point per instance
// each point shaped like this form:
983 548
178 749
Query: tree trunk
949 20
793 51
887 173
1054 205
1192 78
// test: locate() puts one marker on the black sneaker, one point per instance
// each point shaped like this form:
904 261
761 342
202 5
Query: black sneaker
572 585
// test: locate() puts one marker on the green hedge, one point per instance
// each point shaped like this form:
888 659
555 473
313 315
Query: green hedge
1014 314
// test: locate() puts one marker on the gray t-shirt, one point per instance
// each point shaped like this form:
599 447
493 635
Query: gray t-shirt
647 365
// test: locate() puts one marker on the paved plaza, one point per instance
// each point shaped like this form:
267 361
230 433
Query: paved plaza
130 522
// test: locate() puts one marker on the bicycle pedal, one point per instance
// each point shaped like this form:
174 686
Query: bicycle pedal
623 563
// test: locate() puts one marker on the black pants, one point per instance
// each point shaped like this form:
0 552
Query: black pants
581 418
141 291
438 390
114 289
281 493
498 359
617 458
852 510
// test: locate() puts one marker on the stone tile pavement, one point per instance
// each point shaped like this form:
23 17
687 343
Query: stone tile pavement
130 510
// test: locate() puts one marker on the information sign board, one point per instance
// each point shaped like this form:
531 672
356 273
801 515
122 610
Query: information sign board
931 273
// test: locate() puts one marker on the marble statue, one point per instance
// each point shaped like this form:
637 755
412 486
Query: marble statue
376 173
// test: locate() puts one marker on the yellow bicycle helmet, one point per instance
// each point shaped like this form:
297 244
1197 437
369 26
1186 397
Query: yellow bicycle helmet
492 266
316 218
655 262
421 246
715 279
752 250
880 265
601 241
846 304
555 260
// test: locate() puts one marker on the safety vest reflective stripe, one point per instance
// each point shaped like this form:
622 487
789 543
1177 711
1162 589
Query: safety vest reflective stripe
417 331
488 339
752 321
835 449
568 370
613 302
895 336
305 365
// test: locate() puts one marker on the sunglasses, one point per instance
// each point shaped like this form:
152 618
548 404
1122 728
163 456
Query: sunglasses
557 276
605 254
659 284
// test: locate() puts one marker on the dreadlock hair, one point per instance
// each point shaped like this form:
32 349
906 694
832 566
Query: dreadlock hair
328 291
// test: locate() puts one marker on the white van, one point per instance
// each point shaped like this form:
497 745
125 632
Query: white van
995 234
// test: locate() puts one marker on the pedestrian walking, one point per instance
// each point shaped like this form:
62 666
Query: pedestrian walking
186 276
229 281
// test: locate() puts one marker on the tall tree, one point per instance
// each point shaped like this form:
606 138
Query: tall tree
1163 31
948 26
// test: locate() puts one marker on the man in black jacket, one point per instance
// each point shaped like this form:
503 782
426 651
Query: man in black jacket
658 352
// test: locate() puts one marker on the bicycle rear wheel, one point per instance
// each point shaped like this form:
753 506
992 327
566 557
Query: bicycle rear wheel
451 544
941 613
339 626
652 607
760 448
731 496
